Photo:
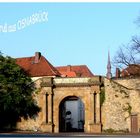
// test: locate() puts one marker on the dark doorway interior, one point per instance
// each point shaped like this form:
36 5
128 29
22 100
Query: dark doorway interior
71 115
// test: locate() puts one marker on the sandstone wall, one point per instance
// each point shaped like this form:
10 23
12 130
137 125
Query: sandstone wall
37 122
131 83
121 100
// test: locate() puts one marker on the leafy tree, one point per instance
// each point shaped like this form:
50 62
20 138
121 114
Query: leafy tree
16 93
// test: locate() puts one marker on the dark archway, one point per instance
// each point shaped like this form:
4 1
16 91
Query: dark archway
71 115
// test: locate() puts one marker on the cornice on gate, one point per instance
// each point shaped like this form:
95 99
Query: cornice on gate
71 82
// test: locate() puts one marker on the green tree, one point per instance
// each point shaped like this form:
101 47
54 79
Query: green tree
16 93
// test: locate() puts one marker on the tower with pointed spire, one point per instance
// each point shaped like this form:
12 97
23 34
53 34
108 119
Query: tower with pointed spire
109 74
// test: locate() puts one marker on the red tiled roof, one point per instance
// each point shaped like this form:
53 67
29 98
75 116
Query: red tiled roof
68 74
75 71
38 65
131 70
42 68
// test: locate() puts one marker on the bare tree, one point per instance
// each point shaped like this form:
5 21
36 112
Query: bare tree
136 45
129 54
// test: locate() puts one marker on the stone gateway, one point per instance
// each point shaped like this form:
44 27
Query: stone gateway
52 91
72 99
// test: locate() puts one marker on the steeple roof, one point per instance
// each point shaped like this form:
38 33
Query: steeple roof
108 63
109 74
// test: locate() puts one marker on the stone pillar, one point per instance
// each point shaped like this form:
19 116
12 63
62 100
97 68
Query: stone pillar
47 124
47 103
92 107
95 125
44 108
50 108
98 115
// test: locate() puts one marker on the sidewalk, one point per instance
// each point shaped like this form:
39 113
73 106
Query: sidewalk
73 134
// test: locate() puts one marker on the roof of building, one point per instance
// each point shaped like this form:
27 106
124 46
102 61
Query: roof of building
75 71
37 69
131 70
38 65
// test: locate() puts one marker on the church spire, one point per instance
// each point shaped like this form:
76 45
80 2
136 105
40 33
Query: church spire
109 74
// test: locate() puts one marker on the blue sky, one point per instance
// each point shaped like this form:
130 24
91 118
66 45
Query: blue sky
75 33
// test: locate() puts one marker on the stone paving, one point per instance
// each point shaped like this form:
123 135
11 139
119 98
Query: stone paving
72 135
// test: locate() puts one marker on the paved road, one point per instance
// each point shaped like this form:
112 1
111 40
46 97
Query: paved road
42 135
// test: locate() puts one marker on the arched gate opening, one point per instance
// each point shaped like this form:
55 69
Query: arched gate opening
71 115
